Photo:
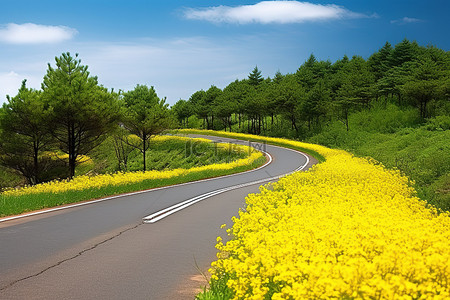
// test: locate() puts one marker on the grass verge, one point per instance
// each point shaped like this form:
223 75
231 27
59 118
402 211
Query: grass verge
51 195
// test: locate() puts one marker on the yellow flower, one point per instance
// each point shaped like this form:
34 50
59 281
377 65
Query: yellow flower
88 182
347 228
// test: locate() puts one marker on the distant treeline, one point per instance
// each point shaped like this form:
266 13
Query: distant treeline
299 104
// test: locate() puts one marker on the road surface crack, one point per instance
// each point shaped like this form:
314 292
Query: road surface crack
70 258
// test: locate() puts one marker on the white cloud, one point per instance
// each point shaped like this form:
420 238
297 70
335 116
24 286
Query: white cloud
267 12
10 83
406 20
30 33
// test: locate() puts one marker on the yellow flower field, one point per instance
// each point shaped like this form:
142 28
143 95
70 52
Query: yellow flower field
80 183
346 229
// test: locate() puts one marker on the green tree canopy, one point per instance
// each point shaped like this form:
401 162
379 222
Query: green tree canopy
145 115
183 110
81 110
255 77
24 135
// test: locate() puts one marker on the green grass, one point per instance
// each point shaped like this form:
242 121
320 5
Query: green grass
170 154
13 205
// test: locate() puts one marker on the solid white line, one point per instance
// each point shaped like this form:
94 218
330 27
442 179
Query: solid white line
159 215
126 194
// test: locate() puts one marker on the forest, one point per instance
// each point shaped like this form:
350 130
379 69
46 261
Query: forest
393 106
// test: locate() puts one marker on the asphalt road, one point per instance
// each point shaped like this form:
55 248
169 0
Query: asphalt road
105 250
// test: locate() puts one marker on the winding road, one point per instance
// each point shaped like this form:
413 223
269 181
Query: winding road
137 246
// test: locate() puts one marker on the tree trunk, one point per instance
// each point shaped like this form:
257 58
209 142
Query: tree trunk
35 164
71 148
144 137
294 125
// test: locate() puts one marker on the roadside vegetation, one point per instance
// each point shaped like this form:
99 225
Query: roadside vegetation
372 220
184 160
348 228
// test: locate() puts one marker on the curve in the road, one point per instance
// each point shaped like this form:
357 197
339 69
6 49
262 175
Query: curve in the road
88 248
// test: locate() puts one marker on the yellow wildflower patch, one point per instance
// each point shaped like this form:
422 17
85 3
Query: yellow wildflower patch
85 182
347 228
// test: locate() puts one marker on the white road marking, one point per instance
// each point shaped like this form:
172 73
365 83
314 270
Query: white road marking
159 215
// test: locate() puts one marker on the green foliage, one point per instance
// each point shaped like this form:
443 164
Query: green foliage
439 123
9 178
183 110
385 118
218 290
255 78
24 136
81 111
145 115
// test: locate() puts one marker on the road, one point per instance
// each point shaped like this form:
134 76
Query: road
104 250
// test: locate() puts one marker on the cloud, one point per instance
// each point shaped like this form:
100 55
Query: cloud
267 12
30 33
406 20
9 84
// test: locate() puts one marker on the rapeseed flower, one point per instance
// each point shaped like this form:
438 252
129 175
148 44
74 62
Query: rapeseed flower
347 228
84 182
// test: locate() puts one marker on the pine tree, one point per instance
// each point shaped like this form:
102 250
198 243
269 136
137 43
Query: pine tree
145 115
24 135
255 78
81 110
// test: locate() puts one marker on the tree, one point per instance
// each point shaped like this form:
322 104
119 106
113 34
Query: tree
312 71
424 85
379 62
208 101
255 78
290 97
199 106
24 135
344 103
183 110
81 111
255 104
145 115
314 105
227 103
235 94
403 52
123 146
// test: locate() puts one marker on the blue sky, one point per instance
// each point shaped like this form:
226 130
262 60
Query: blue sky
180 47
